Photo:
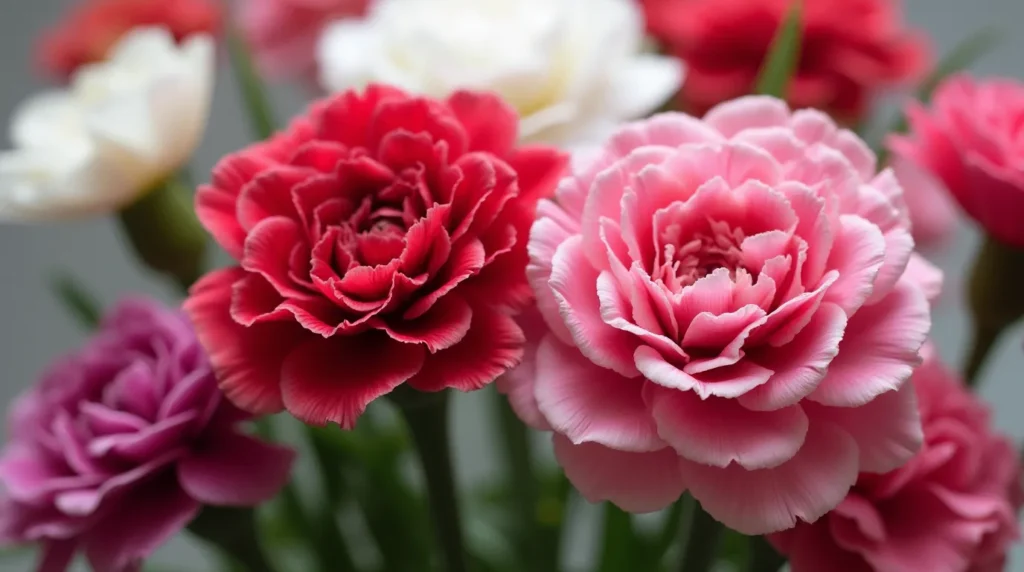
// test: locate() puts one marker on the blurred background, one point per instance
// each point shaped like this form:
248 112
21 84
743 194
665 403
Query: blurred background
34 328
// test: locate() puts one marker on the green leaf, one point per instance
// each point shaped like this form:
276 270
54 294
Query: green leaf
261 118
784 55
77 299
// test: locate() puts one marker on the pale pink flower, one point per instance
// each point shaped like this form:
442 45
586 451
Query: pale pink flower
729 313
932 211
952 508
284 33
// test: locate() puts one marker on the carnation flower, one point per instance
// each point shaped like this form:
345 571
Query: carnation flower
381 241
931 210
851 49
94 27
952 508
284 33
969 140
730 313
122 126
121 443
573 69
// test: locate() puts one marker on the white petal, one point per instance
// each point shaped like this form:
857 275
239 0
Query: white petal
643 85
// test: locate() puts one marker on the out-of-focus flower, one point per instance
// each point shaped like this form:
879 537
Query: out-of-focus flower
932 211
381 241
970 140
284 33
94 27
121 127
952 508
121 443
730 314
850 50
573 69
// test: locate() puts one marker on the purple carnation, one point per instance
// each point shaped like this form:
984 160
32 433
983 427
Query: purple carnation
121 443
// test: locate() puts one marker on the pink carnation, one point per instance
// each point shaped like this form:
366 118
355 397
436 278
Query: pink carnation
970 140
284 33
121 443
932 211
730 314
952 508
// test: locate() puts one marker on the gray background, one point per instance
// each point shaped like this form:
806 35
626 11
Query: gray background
33 329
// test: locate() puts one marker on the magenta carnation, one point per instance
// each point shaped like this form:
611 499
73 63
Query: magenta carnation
732 311
121 443
952 508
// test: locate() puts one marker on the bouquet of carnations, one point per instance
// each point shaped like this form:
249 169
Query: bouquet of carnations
652 230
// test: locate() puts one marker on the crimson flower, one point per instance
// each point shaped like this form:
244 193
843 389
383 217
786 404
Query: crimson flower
381 240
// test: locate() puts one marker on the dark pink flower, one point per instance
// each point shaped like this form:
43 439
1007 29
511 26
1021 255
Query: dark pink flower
970 139
381 241
734 309
284 33
952 508
121 443
851 49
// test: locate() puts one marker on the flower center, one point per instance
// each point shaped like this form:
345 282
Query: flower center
683 260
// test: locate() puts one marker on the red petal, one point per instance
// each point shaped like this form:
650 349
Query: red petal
466 260
269 194
333 380
493 346
480 189
319 155
401 150
443 326
216 202
346 117
247 360
491 124
254 300
417 115
268 251
427 244
369 283
539 169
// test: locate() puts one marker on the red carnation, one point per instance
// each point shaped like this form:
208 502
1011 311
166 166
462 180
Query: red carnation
851 49
381 240
91 29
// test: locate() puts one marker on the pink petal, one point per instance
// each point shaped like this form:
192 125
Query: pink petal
146 518
590 404
731 381
748 112
926 275
635 482
493 346
335 379
800 365
574 283
717 432
887 429
247 360
546 236
879 350
232 469
857 253
769 500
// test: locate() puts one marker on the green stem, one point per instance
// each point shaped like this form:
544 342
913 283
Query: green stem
763 556
426 415
983 342
332 551
700 542
261 118
233 530
523 481
162 228
995 299
619 540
